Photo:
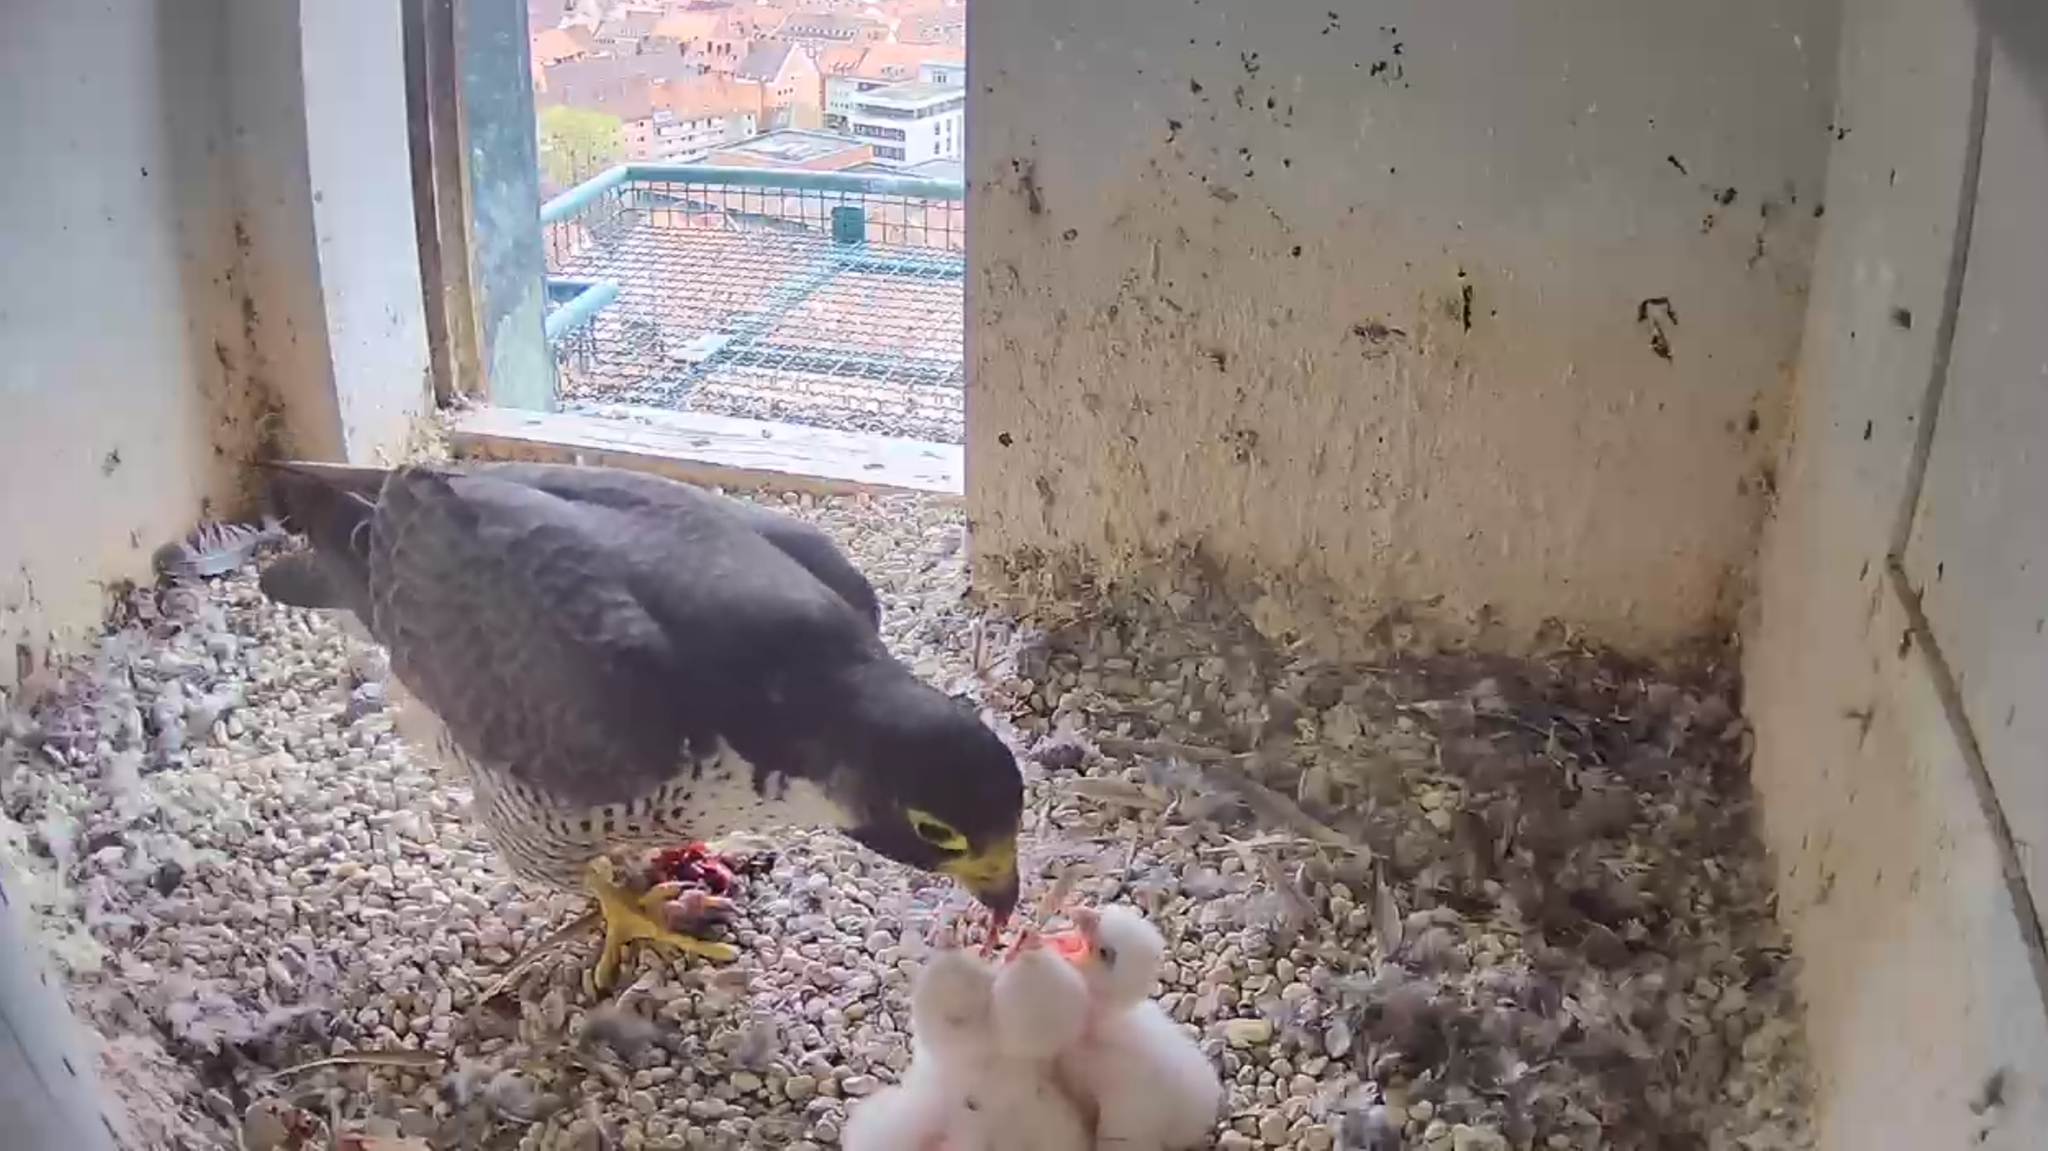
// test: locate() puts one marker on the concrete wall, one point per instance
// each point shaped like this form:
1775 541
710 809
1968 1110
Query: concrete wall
208 243
1433 298
321 159
1900 755
115 243
360 174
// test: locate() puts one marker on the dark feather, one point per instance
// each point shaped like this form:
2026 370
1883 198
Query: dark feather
808 545
331 503
583 635
819 555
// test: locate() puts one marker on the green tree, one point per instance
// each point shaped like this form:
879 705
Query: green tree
578 143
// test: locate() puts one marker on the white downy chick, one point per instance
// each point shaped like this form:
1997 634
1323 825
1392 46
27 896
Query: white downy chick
952 1035
1015 1101
1040 1005
1142 1079
983 1044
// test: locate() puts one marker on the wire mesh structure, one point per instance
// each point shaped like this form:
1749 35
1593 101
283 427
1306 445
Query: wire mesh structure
827 299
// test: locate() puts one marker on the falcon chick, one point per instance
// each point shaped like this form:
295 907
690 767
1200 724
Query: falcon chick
983 1042
1142 1079
623 662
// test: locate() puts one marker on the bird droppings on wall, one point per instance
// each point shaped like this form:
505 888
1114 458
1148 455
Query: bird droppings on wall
1335 303
1024 174
1657 316
1990 1099
1377 334
247 411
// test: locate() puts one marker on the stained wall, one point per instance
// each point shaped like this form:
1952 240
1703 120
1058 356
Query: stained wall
206 250
1896 654
1413 300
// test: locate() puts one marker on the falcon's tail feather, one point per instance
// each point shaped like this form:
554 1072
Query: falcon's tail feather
332 505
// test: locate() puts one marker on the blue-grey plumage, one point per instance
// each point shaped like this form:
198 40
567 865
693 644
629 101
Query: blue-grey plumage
622 660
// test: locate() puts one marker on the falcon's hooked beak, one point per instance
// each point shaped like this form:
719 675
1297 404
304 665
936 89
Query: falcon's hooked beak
990 875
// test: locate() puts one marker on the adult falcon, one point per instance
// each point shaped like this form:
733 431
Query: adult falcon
622 661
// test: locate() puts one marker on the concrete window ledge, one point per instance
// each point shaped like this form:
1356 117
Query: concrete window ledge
713 449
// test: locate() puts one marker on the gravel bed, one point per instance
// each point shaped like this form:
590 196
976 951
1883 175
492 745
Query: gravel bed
1418 901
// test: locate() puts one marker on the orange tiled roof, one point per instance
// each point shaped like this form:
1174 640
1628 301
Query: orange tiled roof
841 59
708 96
689 26
551 45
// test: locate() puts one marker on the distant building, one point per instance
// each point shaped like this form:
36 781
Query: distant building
849 72
597 80
756 22
546 13
954 169
941 26
678 119
912 122
552 46
693 117
623 33
704 40
792 94
796 151
823 29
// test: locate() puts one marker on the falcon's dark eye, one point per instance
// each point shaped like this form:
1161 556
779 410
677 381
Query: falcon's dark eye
1107 955
936 831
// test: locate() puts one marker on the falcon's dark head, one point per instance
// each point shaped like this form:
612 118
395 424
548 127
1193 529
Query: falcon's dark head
931 786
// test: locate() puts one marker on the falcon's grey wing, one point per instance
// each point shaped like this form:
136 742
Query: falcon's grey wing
800 541
818 554
584 645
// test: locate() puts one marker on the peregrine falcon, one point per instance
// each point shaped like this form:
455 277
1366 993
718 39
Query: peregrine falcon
624 661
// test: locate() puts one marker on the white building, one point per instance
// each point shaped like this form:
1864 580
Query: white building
883 65
688 135
912 122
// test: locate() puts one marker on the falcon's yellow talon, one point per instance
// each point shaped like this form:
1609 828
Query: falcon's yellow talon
660 893
631 917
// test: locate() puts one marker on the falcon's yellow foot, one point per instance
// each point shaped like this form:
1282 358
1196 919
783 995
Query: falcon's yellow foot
631 917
